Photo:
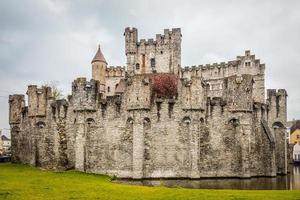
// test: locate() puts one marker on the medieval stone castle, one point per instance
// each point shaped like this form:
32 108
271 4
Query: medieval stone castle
156 119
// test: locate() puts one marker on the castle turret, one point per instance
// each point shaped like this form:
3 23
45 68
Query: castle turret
84 94
277 117
131 38
99 66
16 103
238 91
37 100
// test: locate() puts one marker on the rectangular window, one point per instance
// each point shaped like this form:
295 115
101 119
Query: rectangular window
248 64
152 61
143 61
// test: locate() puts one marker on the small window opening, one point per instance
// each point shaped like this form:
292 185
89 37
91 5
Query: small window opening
137 66
152 61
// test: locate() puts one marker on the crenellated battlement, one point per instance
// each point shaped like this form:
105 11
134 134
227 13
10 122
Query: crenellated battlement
168 36
144 42
277 104
130 29
243 65
276 92
16 104
59 109
85 94
115 71
37 100
81 84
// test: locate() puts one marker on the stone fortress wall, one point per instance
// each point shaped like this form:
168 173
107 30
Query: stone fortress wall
216 123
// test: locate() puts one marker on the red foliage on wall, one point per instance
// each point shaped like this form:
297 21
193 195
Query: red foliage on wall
164 85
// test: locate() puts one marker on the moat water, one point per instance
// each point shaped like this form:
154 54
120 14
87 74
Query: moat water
287 182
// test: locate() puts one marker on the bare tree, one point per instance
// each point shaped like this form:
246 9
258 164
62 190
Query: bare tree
57 93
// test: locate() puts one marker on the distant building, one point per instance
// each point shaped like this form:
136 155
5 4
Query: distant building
1 146
6 144
288 126
295 132
294 141
296 152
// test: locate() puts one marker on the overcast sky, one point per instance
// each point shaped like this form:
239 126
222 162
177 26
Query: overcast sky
54 40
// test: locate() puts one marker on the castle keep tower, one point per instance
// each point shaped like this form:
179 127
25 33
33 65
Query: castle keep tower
162 55
99 66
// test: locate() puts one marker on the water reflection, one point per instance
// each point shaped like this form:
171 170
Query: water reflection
295 178
289 182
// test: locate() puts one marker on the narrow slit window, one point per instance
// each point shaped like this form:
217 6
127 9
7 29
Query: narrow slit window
152 61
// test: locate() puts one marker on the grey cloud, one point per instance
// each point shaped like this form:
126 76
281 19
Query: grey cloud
55 40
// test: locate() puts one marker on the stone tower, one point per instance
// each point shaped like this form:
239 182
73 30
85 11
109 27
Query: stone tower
131 39
277 117
38 100
162 55
99 66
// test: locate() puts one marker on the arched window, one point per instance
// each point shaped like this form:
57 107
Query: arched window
201 120
277 125
129 120
40 124
90 121
147 122
108 89
234 122
186 120
129 125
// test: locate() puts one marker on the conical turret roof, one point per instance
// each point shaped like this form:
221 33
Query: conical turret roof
99 56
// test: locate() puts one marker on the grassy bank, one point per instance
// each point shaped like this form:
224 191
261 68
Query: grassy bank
24 182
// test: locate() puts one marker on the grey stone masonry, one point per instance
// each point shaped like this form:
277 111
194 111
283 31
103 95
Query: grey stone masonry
156 119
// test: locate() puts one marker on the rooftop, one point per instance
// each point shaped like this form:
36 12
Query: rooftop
99 56
4 138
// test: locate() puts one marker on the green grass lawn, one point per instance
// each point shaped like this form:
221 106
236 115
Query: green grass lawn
24 182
